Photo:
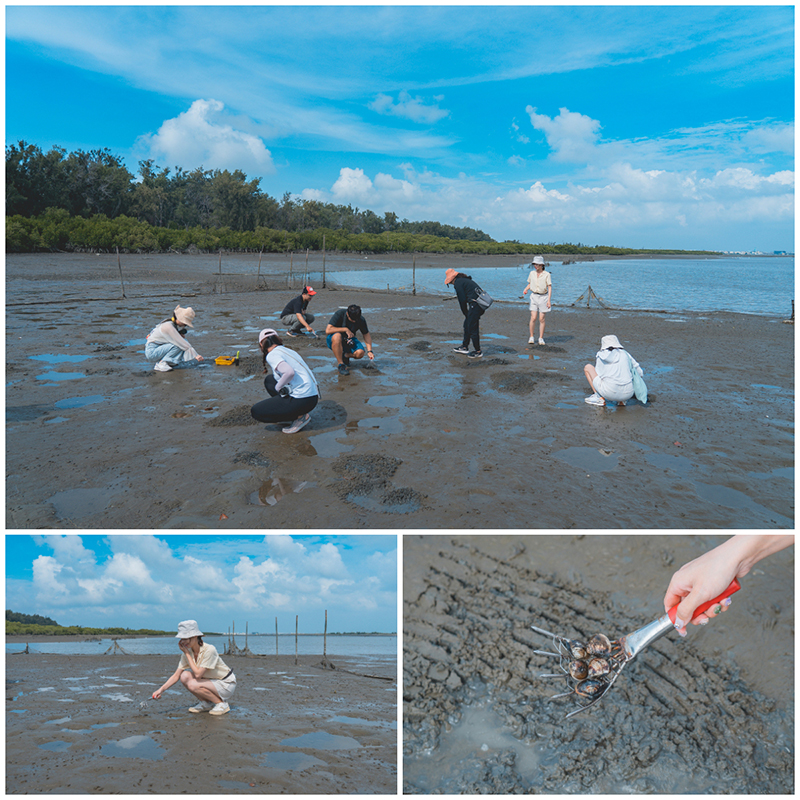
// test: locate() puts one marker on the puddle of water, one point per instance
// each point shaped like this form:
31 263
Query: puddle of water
372 723
289 761
383 425
79 402
390 401
780 472
322 740
77 503
326 445
56 747
567 405
768 387
275 489
60 376
122 698
478 736
658 369
731 498
52 358
56 420
61 721
679 464
588 459
528 356
134 747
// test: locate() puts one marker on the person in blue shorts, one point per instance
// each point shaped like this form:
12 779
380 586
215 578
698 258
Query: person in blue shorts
341 331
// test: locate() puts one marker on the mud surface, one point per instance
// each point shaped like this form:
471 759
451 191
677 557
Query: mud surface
97 439
713 713
76 725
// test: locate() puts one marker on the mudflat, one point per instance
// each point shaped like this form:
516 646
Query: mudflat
88 725
422 438
709 714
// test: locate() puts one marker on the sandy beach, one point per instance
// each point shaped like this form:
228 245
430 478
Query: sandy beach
426 439
76 725
709 714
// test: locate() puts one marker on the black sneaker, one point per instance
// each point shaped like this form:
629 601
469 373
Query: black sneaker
346 359
463 350
343 369
475 354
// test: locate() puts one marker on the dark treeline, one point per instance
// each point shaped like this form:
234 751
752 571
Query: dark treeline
97 182
90 201
29 619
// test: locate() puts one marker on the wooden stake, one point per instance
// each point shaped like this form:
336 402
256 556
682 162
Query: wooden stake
276 636
259 262
325 639
414 275
323 260
296 622
119 264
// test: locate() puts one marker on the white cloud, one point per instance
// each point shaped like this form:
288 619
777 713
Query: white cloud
353 185
572 137
408 107
205 136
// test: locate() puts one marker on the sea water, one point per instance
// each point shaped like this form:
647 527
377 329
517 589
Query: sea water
762 285
363 647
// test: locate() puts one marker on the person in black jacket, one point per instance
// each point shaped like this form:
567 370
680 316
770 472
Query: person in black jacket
467 293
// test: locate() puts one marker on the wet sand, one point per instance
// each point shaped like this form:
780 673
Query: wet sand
426 439
712 713
75 725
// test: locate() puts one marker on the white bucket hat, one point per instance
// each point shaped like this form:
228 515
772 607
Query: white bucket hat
610 341
538 260
187 629
184 315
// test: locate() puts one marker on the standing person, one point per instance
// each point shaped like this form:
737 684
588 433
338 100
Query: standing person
296 316
611 378
167 345
467 292
292 386
541 287
201 671
341 331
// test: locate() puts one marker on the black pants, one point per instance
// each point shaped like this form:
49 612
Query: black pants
281 409
472 326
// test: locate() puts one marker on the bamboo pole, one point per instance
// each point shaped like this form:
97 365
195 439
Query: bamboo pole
305 274
259 263
323 260
246 631
276 636
296 622
119 264
291 264
325 639
220 261
414 275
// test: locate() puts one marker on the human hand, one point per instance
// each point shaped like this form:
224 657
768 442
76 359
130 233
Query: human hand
200 358
698 582
371 355
156 694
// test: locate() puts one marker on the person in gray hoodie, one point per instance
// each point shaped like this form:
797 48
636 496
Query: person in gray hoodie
611 377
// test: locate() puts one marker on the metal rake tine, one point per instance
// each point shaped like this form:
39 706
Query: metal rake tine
546 633
554 675
596 699
547 653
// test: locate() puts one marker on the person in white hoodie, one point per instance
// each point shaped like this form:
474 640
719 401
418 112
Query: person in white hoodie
611 377
167 345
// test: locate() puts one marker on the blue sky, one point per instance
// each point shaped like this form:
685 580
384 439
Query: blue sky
638 126
147 581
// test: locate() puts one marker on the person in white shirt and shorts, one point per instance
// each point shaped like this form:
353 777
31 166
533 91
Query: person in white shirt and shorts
541 288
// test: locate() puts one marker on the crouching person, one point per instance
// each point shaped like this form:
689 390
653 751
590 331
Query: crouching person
167 345
201 671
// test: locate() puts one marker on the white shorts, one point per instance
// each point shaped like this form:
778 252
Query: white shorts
612 391
538 302
225 687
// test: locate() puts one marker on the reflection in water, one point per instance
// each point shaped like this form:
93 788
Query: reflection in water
275 489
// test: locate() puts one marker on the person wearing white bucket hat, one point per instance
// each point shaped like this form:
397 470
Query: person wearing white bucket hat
167 345
201 671
614 375
541 286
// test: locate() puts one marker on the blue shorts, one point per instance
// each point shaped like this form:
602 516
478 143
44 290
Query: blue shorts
345 349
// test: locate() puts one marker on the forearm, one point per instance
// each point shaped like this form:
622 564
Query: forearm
746 550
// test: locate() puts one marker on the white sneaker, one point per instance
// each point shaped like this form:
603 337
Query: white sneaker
203 705
532 340
595 400
162 366
220 708
299 423
541 341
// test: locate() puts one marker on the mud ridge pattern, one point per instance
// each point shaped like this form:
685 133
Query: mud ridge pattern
673 716
365 483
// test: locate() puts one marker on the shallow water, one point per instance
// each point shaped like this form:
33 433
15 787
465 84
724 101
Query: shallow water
322 740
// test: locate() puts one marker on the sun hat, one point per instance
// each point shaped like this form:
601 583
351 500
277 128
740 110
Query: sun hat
449 276
609 341
187 629
266 332
184 315
538 260
308 290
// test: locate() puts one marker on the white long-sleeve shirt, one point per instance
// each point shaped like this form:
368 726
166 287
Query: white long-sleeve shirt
613 366
166 333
